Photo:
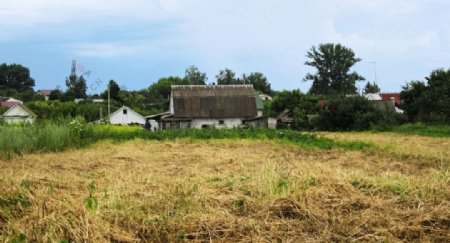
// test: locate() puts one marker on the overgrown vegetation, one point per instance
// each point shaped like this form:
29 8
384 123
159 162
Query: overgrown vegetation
354 113
18 140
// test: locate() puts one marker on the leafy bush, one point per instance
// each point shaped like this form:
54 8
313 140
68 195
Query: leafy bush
428 102
353 113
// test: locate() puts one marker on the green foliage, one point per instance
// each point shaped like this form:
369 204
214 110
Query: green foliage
259 82
300 104
428 102
46 137
56 95
21 238
371 88
16 77
114 91
54 137
76 87
194 76
3 109
416 129
227 77
57 110
158 93
91 202
351 113
333 63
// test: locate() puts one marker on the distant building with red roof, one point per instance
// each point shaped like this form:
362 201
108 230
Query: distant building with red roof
391 96
9 102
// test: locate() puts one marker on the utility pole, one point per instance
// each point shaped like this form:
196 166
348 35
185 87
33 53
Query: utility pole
375 70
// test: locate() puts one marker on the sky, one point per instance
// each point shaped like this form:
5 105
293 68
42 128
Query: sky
136 42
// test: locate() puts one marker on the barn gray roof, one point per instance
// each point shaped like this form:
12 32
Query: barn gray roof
214 101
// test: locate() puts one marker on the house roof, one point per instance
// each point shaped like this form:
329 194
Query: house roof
9 103
391 96
213 101
158 116
285 116
10 99
23 107
45 91
373 96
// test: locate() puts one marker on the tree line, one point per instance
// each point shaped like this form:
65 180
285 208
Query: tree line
333 80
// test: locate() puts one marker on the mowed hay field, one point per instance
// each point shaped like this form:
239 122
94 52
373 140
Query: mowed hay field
230 190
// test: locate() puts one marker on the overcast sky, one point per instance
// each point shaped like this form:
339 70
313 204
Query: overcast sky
136 42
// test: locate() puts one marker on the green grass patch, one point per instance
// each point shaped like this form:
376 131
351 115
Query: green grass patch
24 139
417 129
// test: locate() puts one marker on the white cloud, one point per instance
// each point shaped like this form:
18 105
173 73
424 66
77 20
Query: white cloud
271 36
35 12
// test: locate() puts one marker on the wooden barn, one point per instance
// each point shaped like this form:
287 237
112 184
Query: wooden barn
203 106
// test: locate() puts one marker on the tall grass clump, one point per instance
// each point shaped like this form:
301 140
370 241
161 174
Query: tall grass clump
46 137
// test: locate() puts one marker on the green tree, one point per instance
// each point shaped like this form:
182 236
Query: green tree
371 88
114 91
76 86
157 95
15 76
259 82
227 77
56 95
333 63
428 102
194 76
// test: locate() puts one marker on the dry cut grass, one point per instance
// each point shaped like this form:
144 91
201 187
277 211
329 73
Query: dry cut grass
147 191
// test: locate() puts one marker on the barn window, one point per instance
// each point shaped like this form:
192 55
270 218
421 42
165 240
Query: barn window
125 111
221 122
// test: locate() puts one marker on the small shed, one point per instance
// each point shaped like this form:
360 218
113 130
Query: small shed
155 121
286 118
261 122
126 116
19 113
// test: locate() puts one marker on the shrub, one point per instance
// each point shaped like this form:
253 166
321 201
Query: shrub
354 113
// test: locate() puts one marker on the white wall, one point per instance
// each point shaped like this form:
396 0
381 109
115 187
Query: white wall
118 118
14 120
272 123
154 124
228 123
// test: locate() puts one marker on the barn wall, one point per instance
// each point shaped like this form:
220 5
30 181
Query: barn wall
228 123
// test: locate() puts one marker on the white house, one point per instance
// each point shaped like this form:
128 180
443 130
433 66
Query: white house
19 113
126 116
46 93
